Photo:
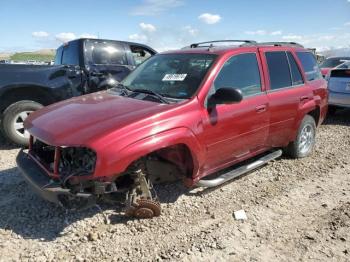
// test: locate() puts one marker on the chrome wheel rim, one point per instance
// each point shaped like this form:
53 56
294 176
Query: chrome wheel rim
18 124
306 139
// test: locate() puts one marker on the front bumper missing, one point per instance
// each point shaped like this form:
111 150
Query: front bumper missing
41 183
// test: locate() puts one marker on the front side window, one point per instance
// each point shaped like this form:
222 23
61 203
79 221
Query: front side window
309 63
240 72
140 54
171 75
279 71
99 52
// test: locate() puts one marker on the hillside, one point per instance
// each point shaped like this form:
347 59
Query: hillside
40 55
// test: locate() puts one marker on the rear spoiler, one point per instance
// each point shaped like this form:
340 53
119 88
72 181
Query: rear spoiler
340 73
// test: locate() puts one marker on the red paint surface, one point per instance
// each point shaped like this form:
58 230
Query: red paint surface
121 130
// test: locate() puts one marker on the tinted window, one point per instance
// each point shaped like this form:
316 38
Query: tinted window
105 53
58 56
309 63
172 75
242 72
140 54
71 54
278 70
296 75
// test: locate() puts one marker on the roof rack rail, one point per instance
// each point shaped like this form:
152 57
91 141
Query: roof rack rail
195 45
279 44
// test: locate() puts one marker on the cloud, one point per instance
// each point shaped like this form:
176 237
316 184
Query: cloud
65 37
149 28
274 33
347 24
292 37
190 30
258 32
138 38
87 35
209 19
155 7
263 32
40 34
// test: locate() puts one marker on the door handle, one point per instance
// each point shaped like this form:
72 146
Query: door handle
304 98
261 108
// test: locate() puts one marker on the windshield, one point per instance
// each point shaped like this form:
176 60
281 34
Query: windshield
333 62
345 65
171 75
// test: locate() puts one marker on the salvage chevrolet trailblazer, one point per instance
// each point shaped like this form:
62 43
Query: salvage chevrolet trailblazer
183 114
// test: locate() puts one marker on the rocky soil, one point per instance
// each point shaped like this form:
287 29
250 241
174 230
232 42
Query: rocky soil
298 210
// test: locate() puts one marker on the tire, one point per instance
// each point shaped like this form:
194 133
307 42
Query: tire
307 136
13 118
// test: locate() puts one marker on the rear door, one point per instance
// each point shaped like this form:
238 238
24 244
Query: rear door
287 92
234 131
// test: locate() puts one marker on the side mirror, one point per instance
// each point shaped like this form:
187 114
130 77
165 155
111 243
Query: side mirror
225 95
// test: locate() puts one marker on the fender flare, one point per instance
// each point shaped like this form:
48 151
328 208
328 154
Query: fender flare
118 161
303 111
44 91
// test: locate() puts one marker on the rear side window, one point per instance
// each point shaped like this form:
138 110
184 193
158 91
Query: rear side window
309 63
297 78
241 72
278 70
100 52
71 54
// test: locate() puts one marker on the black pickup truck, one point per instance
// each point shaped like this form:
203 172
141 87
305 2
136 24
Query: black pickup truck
81 66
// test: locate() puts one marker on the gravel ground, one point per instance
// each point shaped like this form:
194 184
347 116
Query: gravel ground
297 210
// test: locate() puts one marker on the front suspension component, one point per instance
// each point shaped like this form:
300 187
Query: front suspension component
140 202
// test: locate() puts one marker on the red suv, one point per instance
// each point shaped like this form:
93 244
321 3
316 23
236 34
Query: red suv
181 114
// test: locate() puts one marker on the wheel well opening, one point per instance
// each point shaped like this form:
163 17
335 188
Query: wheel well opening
315 114
164 165
35 94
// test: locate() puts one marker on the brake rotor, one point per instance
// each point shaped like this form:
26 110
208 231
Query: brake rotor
145 208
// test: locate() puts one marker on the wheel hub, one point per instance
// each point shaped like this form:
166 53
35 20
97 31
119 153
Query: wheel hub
145 208
306 139
18 124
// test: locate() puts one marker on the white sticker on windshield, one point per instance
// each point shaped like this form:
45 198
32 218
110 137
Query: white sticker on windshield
174 77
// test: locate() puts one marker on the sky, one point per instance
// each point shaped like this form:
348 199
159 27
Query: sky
27 25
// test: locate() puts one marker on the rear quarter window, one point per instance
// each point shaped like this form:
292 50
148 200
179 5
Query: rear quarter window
310 66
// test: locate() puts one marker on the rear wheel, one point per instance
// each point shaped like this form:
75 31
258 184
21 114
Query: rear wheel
305 141
13 121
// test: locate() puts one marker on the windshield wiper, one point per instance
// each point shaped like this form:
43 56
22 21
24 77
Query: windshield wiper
150 92
124 89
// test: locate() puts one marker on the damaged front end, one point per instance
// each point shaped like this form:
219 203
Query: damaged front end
64 175
61 174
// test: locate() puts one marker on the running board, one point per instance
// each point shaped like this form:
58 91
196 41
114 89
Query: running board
239 171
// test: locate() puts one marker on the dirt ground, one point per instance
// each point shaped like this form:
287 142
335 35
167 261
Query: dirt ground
298 210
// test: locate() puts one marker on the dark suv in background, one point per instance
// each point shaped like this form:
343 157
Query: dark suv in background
81 66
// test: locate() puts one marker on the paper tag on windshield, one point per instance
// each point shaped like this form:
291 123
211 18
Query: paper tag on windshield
174 77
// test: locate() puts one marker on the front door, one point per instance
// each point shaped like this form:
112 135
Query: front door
235 131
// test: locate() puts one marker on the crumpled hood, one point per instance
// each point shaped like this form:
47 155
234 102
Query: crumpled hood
79 120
